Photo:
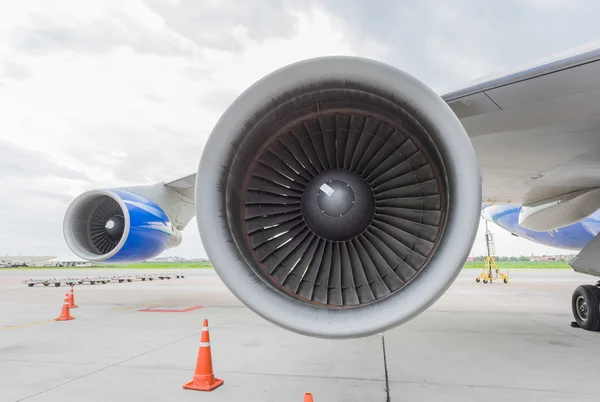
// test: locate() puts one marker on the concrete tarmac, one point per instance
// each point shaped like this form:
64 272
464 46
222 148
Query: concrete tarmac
491 342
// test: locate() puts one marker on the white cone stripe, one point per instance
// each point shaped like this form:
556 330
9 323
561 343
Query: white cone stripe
204 344
204 329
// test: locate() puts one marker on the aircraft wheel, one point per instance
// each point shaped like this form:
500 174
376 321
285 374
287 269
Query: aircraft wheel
30 285
586 307
505 280
477 280
485 281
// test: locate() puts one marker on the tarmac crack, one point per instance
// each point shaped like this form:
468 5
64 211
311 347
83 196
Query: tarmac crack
558 391
302 376
387 380
196 333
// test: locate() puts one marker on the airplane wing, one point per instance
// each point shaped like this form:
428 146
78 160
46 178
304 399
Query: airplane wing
535 133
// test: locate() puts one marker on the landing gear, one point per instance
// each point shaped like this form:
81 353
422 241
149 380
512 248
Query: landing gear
586 307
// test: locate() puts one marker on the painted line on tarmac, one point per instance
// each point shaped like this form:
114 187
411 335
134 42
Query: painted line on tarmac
31 324
134 306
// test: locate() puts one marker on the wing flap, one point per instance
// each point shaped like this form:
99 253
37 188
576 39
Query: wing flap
556 79
557 84
554 65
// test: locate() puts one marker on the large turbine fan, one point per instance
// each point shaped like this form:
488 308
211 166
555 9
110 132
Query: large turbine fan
342 209
106 226
339 197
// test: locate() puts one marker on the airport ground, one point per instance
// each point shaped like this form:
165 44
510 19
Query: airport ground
492 342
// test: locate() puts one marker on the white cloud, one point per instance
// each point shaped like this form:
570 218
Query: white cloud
114 93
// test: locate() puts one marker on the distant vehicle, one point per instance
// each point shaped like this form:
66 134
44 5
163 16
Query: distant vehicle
339 197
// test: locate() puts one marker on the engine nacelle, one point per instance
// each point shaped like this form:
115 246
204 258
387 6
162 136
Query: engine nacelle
338 197
117 226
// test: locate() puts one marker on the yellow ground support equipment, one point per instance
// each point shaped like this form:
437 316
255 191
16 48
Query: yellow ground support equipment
491 272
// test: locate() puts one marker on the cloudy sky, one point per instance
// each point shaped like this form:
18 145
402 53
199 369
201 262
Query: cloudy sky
100 94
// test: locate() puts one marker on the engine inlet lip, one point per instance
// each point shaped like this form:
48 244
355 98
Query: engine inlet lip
214 223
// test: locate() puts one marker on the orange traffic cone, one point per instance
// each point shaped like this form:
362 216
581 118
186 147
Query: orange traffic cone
65 314
308 397
72 299
204 378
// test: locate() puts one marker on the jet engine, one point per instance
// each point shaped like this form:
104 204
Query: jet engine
117 226
338 197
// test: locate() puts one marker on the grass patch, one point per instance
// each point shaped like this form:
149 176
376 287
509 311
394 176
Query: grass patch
521 265
141 265
158 265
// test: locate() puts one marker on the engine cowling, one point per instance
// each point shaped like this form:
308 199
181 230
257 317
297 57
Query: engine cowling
117 226
338 197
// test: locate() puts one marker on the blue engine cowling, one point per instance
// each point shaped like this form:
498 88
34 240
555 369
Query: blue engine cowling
117 226
571 237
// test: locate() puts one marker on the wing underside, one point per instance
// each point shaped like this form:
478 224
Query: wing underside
536 132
